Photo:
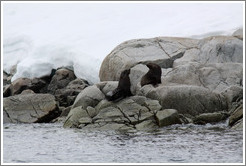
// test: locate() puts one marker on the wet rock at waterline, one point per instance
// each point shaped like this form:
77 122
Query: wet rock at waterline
167 117
210 118
236 115
136 112
30 108
128 113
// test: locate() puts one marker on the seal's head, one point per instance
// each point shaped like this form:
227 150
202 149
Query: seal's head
125 73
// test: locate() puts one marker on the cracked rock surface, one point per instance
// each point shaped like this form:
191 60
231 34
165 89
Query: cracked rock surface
30 108
126 114
215 49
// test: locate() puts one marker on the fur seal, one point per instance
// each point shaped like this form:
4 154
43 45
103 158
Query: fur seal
153 76
123 89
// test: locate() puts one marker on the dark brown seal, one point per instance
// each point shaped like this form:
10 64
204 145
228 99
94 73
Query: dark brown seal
153 76
123 89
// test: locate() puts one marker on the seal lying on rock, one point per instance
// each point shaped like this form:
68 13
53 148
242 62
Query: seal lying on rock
123 89
153 76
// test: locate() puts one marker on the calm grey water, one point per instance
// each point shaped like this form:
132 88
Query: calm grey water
51 143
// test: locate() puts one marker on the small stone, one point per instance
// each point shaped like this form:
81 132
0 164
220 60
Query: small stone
146 125
74 116
153 105
236 115
167 117
210 117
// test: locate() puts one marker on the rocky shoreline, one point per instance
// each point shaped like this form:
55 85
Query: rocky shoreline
202 82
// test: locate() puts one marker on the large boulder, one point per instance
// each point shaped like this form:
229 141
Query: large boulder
30 108
220 49
215 77
186 99
130 53
216 49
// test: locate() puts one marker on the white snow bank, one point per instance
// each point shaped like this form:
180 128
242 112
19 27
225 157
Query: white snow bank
42 36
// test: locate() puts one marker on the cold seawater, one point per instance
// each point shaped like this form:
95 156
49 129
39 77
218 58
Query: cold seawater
51 143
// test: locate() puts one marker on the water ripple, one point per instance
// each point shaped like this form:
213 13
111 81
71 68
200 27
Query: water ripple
50 143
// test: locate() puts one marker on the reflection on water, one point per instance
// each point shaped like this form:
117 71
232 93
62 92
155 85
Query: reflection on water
50 143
